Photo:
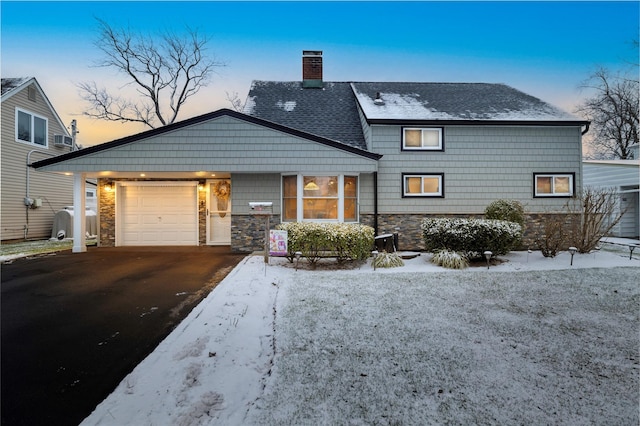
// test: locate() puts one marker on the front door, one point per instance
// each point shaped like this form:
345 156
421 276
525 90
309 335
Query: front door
219 212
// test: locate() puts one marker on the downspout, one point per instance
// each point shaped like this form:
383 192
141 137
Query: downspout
586 129
375 202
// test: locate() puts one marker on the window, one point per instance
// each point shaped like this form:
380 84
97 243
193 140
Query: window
319 198
31 128
553 185
420 139
430 185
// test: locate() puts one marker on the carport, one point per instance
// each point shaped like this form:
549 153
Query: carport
190 183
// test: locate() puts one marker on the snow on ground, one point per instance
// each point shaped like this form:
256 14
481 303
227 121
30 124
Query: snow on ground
531 340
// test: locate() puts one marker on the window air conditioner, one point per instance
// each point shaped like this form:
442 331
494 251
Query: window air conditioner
62 140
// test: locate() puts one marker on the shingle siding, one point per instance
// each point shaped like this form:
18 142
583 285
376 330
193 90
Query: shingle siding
480 165
221 144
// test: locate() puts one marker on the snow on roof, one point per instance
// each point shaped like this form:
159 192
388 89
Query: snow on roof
453 101
635 162
8 84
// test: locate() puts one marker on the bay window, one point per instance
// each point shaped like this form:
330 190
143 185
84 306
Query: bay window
331 198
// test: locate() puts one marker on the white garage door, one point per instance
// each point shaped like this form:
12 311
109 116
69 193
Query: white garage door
158 213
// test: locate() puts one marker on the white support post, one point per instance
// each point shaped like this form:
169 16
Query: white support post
79 214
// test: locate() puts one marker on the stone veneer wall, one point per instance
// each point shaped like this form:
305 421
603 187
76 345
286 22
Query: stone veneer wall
410 235
202 217
106 215
247 232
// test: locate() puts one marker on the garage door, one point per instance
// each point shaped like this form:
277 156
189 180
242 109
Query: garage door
158 213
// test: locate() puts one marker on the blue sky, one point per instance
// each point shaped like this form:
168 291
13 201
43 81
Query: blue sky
543 48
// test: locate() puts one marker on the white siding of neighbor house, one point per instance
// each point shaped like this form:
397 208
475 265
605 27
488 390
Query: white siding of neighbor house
610 174
55 190
222 144
622 176
480 164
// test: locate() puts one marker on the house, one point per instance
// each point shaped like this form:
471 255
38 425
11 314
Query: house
623 177
31 131
380 153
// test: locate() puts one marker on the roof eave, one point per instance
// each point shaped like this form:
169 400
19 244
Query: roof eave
426 122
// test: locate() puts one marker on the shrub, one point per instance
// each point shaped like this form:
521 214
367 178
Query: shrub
314 240
599 213
509 210
553 236
387 260
450 259
470 237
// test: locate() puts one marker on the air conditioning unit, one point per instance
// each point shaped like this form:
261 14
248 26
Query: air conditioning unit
62 140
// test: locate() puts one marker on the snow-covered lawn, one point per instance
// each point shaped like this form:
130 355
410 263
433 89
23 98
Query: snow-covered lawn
530 341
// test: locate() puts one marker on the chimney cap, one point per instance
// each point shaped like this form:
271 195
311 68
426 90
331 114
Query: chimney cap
312 53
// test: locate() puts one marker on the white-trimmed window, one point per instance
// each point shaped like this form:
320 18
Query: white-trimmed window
419 185
31 128
553 184
422 139
331 198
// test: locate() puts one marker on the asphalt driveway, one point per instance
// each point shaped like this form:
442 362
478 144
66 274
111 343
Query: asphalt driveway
74 325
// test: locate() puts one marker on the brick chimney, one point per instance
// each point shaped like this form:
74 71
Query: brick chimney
312 69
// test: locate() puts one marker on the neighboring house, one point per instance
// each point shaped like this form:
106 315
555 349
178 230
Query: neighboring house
383 154
622 177
31 131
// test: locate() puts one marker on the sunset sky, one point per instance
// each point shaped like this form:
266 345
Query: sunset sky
546 49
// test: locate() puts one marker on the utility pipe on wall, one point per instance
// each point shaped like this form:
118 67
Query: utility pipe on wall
28 202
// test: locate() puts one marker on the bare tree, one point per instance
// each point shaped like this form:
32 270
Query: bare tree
165 73
600 211
236 103
613 111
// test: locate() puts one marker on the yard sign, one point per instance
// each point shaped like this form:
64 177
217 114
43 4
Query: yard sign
277 242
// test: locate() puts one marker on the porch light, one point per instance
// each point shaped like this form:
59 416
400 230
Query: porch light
108 186
573 251
201 186
487 255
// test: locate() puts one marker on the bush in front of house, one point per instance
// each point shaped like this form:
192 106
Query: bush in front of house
470 237
450 259
509 210
387 260
345 241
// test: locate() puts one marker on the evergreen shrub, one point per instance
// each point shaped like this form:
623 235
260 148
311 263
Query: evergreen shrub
345 241
509 210
470 237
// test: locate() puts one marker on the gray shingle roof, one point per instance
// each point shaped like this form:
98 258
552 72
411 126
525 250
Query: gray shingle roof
453 101
329 112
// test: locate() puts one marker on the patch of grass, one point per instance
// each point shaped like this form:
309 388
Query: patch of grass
27 248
